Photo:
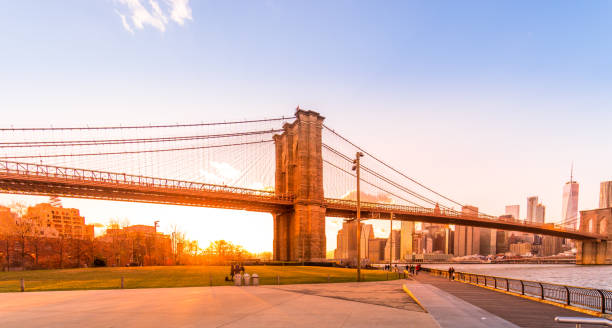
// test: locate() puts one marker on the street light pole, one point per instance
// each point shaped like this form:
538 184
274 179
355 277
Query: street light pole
391 243
356 169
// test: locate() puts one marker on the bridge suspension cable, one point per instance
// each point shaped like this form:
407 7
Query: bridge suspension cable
371 184
65 143
236 153
119 127
385 179
136 151
392 168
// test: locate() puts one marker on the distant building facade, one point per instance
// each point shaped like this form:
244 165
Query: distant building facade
51 221
540 215
393 244
140 244
466 239
532 204
376 250
520 248
550 246
346 248
605 194
406 240
367 234
569 212
8 220
513 210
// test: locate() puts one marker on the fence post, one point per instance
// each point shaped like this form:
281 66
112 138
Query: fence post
542 289
22 285
495 283
603 301
121 282
507 285
277 279
522 287
568 295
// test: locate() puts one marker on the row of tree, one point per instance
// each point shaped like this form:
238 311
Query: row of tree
19 252
23 247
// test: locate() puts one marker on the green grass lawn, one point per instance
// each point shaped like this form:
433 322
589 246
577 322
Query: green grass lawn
174 276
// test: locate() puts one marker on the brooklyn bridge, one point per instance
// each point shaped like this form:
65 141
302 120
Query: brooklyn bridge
296 168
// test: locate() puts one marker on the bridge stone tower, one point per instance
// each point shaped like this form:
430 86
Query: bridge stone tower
299 234
595 251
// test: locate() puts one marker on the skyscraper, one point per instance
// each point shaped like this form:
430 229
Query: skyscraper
605 194
532 204
540 214
467 239
569 212
406 236
513 210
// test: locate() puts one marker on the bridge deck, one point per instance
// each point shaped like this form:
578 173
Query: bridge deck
520 311
38 179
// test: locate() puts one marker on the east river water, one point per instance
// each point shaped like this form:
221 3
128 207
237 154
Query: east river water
594 276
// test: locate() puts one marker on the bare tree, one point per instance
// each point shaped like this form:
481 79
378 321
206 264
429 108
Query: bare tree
60 249
178 243
24 228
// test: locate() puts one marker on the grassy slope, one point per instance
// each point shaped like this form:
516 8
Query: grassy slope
172 276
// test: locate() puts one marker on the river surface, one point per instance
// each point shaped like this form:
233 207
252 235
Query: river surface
593 276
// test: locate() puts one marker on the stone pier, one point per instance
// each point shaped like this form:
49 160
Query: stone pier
595 251
299 234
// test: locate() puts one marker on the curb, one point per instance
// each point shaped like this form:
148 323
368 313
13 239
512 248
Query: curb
413 297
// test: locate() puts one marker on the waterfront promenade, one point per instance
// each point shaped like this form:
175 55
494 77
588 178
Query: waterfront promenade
432 291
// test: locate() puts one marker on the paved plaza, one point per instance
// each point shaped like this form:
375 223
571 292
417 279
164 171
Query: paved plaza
375 304
368 304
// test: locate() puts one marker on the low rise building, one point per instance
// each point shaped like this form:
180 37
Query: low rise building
520 249
52 221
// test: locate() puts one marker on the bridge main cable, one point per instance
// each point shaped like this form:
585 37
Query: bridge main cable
116 127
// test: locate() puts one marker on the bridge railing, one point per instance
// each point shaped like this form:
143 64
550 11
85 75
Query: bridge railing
599 300
369 206
66 173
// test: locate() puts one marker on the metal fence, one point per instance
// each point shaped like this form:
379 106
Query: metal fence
587 298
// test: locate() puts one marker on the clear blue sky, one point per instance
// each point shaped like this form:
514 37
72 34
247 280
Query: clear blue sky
487 101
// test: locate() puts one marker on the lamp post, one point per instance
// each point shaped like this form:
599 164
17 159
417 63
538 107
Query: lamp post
356 169
391 243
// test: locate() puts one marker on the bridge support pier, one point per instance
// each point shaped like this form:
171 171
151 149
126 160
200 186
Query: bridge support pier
595 251
299 234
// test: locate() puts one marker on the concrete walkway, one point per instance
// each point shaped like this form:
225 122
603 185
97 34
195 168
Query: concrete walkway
519 311
452 312
224 306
